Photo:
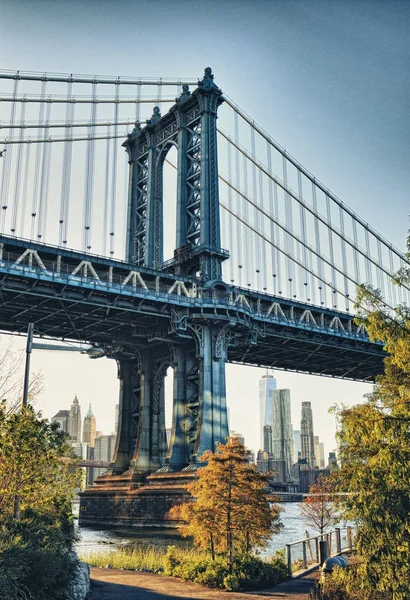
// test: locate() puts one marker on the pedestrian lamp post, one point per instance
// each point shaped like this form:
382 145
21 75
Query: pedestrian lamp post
29 347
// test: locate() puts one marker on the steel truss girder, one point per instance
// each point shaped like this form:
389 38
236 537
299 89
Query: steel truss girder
73 295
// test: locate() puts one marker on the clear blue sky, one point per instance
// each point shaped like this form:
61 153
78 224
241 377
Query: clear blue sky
330 82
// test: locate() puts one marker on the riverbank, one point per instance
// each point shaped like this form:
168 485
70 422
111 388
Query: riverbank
115 584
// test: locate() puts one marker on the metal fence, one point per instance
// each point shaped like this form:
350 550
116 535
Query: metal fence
305 554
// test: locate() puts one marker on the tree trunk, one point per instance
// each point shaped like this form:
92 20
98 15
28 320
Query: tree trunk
16 511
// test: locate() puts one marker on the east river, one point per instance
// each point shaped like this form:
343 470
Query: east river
293 529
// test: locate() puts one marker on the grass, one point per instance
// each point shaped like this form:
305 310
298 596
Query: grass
135 559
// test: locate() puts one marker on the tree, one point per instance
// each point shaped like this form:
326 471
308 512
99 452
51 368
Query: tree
375 452
12 376
231 513
31 465
318 508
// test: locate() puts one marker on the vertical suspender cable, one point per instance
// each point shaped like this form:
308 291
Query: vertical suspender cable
106 190
356 258
344 256
19 170
5 181
368 265
264 268
45 176
274 269
256 212
278 258
159 93
67 162
25 189
332 254
114 168
89 177
322 290
138 105
394 295
238 199
230 225
305 282
289 224
39 150
248 258
379 273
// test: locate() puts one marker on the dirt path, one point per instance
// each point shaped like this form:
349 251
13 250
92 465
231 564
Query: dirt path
115 584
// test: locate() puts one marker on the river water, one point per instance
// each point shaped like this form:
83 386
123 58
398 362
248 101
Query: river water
293 529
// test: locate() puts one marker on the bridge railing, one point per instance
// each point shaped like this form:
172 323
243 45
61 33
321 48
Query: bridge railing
305 554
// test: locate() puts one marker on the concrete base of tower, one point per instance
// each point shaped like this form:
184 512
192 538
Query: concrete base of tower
130 501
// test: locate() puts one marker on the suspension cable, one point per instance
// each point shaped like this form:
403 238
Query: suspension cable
315 213
311 177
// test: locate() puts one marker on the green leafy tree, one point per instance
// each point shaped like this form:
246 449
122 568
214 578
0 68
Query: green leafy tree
318 509
231 514
32 465
375 455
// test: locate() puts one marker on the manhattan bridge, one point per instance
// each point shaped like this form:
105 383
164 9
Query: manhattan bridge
134 219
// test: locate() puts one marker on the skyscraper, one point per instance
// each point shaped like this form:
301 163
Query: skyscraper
62 418
319 453
266 386
89 428
296 443
74 423
267 439
104 451
306 435
282 430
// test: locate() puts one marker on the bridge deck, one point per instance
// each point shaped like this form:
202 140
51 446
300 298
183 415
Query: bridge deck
70 295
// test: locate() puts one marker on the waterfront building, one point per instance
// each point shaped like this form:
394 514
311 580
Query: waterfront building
306 435
266 386
282 431
89 428
74 423
104 451
62 418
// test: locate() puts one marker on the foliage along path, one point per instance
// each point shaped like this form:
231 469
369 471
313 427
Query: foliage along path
116 584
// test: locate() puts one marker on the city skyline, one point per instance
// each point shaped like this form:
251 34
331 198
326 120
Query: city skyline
329 84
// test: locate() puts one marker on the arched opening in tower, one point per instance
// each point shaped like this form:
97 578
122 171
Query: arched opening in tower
169 203
169 401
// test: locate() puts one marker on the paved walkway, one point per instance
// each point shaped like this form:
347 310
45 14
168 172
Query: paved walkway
115 584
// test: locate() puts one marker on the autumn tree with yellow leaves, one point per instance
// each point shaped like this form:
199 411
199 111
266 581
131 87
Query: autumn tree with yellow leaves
231 513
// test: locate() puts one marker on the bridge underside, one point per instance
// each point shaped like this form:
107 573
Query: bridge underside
105 302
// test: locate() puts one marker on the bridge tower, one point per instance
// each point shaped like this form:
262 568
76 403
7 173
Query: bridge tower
194 346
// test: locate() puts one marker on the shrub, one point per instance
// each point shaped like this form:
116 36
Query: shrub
34 557
247 573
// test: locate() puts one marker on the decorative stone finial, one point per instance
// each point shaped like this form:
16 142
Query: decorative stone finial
156 115
207 82
185 94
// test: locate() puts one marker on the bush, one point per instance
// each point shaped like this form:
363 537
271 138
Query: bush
34 556
348 584
247 573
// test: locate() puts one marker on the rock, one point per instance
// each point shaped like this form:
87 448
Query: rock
80 584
